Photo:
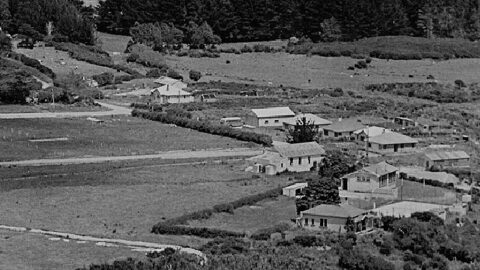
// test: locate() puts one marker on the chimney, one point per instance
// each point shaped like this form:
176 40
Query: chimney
339 119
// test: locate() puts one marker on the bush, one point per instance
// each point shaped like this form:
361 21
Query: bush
15 87
89 54
246 49
223 246
33 63
361 64
200 232
460 83
123 78
264 234
195 75
174 74
149 107
307 240
147 57
59 94
104 78
156 72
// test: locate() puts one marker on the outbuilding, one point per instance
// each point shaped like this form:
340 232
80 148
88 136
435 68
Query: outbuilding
447 159
294 190
369 179
343 128
312 119
269 117
392 142
332 217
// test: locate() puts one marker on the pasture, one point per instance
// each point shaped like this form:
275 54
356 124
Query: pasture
119 135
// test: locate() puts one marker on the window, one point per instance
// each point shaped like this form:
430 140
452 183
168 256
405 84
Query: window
359 179
291 161
299 161
266 121
337 134
281 165
313 222
306 222
309 160
325 132
276 121
323 222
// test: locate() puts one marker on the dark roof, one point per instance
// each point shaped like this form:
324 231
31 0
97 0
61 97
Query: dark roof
346 125
334 210
392 138
300 149
381 168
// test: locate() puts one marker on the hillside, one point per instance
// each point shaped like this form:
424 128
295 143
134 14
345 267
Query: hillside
91 2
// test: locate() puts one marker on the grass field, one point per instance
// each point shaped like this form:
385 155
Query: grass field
126 203
47 107
252 218
116 136
23 251
61 63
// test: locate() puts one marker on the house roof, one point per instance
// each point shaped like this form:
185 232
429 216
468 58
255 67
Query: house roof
266 158
334 210
381 168
447 155
392 138
297 186
168 90
372 131
346 125
300 149
443 177
406 208
310 118
273 112
164 80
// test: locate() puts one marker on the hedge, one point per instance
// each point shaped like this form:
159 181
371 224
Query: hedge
173 226
429 182
31 63
150 107
206 127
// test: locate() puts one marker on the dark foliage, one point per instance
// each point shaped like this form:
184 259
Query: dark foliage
337 163
319 191
15 86
264 234
222 246
5 43
207 127
30 62
303 131
194 75
104 78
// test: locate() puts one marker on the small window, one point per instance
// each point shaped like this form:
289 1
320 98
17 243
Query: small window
276 121
266 121
325 223
309 160
359 179
281 165
306 221
313 222
299 161
321 222
291 161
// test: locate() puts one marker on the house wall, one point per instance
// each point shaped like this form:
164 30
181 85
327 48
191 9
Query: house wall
293 164
332 134
333 223
271 121
363 181
172 99
390 148
448 163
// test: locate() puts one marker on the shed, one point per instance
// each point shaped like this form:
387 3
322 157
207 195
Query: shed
447 159
294 190
392 142
269 117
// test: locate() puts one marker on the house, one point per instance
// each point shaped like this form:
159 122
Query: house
164 80
404 122
391 142
269 117
332 217
447 159
294 190
310 118
407 208
435 125
368 132
299 157
170 94
234 122
370 179
342 128
207 98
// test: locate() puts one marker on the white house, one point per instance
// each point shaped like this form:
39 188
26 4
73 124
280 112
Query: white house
294 190
299 157
391 142
170 94
269 117
164 80
333 217
370 179
368 132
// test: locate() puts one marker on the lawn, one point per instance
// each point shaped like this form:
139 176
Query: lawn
25 251
120 135
126 203
252 218
48 108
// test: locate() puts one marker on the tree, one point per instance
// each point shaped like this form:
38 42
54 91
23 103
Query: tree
303 131
5 43
195 75
319 191
199 36
337 163
16 86
350 225
330 30
5 16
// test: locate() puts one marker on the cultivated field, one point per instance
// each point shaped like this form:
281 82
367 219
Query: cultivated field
116 136
126 203
252 218
20 251
61 63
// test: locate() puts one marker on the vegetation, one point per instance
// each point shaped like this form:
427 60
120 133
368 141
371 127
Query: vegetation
104 78
194 75
303 131
337 163
319 191
15 86
5 43
144 55
30 62
393 47
31 17
236 20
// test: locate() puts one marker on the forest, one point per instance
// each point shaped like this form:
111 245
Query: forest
325 20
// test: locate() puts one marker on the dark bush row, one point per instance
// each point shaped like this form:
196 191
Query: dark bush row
149 107
264 234
200 232
207 127
33 63
429 182
104 78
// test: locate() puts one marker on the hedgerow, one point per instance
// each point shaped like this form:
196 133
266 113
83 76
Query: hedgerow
204 126
30 62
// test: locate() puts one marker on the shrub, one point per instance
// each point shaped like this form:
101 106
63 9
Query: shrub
227 245
31 63
89 54
104 78
200 232
460 83
195 75
156 72
147 57
361 64
264 234
15 87
307 240
47 95
123 78
174 74
246 49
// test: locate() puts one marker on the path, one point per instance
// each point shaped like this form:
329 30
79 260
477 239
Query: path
114 110
104 241
208 153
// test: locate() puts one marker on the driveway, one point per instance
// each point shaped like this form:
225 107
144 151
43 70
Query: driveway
114 110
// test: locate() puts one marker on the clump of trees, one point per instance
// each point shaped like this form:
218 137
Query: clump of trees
194 75
303 131
15 86
319 191
31 17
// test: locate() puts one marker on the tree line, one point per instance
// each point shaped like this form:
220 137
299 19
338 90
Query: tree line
64 20
326 20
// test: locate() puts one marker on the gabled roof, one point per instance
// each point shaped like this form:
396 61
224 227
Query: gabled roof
373 131
310 118
447 155
299 149
333 210
168 90
273 112
164 80
346 125
392 138
381 168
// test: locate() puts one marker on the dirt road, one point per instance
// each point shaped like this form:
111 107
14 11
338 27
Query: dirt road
208 153
114 110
